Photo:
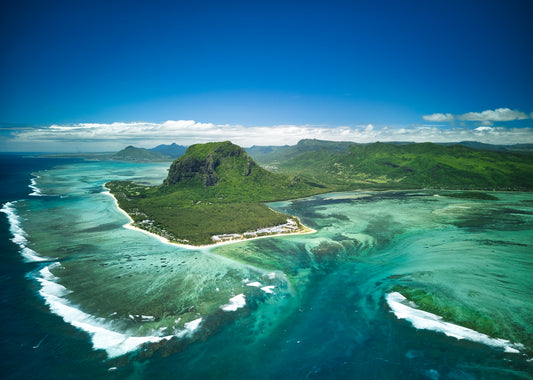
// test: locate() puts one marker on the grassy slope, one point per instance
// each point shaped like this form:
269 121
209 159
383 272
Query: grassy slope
386 165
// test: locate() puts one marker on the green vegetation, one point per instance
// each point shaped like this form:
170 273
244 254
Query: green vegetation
401 166
516 148
278 155
214 189
218 189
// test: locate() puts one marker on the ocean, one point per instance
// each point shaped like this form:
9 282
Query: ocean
393 285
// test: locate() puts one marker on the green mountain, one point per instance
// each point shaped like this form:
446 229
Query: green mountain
213 189
132 153
225 170
173 150
515 148
392 165
430 165
208 164
271 156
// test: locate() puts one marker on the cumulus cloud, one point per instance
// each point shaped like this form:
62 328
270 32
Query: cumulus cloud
439 117
499 114
487 117
484 129
115 136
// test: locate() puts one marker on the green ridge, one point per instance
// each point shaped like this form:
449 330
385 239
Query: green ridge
401 166
132 153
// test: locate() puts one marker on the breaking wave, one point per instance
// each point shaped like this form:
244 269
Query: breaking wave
103 334
33 185
19 235
427 321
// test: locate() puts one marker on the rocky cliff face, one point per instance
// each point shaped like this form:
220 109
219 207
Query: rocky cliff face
211 163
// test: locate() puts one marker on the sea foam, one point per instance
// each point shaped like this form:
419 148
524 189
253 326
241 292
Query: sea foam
19 235
33 185
103 335
427 321
267 289
234 303
255 284
190 328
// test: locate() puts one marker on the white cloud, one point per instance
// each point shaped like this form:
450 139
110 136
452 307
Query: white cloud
487 117
484 129
438 117
499 114
115 136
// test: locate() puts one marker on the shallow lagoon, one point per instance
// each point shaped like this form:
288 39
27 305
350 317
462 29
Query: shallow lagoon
286 307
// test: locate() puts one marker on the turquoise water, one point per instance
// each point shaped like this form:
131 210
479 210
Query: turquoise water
306 306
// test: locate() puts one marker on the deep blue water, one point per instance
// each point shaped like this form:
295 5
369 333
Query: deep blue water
334 324
24 318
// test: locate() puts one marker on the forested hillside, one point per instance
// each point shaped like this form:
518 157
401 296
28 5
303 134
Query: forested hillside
393 165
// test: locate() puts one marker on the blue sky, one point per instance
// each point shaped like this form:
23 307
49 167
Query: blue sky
325 64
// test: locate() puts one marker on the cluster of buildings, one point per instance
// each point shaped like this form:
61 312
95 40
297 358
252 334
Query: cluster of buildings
289 227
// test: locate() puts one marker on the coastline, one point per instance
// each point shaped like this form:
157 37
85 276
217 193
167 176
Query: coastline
306 230
130 226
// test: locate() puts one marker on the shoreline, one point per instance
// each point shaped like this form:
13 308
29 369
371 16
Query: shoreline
129 226
307 230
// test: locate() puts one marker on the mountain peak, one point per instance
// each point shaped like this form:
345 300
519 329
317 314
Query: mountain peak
210 163
131 153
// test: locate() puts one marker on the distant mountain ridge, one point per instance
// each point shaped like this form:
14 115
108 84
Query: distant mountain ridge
131 153
515 148
159 153
173 150
403 165
263 154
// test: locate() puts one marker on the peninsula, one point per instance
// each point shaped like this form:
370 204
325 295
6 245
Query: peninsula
215 192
